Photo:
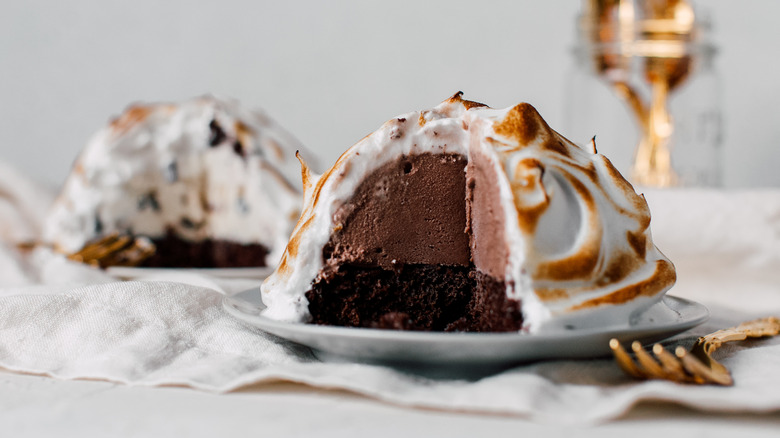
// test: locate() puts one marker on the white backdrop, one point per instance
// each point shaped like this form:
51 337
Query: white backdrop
333 71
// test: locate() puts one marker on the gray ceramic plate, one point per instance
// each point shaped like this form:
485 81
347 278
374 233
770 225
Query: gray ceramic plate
131 273
670 316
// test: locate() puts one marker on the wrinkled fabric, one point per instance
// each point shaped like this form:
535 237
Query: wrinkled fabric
71 321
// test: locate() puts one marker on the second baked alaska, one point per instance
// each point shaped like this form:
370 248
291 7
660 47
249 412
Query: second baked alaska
467 218
206 180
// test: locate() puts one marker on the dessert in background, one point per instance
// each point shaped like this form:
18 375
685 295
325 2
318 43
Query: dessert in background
207 182
467 218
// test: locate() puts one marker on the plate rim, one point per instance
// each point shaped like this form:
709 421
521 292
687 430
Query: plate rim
137 271
261 322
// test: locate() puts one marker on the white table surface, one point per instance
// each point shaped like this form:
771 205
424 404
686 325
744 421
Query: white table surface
33 406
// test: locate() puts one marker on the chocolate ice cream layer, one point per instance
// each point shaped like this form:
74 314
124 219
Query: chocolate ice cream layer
400 257
411 211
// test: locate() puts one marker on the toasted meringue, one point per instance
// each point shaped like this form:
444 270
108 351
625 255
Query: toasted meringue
201 169
569 238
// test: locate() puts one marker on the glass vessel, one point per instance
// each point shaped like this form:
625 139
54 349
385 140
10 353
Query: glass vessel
643 81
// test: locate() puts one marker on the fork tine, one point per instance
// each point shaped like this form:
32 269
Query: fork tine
624 360
649 365
670 364
694 366
701 372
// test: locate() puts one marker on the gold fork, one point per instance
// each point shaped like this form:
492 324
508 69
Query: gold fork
695 366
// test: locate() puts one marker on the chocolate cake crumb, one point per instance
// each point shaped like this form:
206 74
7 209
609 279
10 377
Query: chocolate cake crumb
238 148
414 297
98 225
217 135
149 200
188 223
174 252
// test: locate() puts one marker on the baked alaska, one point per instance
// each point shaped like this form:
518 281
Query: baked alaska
205 180
467 218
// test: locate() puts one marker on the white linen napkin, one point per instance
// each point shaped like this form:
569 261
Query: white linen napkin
70 321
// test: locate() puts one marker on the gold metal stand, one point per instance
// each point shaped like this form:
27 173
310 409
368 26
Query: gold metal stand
656 31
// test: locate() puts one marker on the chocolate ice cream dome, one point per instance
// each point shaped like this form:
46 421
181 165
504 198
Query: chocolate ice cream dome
467 218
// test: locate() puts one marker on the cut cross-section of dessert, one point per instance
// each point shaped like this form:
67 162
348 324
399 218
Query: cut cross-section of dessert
209 183
467 218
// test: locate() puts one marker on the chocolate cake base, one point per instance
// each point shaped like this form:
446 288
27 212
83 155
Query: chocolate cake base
414 297
173 252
